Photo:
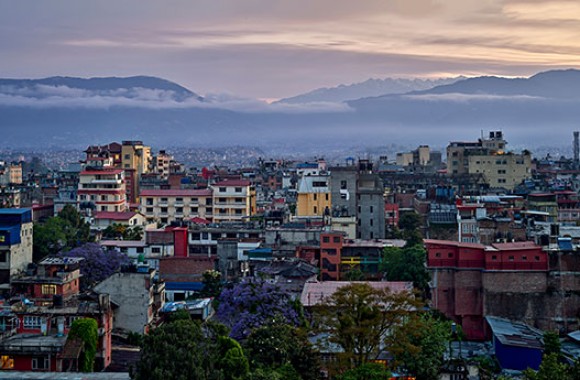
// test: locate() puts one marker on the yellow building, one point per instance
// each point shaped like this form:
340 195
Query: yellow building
135 160
313 196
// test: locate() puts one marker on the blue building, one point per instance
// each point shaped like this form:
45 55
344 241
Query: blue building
517 345
15 243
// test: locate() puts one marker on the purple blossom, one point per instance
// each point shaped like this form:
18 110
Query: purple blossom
98 264
251 304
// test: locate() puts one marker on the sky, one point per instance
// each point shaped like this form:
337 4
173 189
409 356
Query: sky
270 49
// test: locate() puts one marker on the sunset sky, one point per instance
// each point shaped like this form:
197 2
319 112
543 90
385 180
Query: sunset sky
278 48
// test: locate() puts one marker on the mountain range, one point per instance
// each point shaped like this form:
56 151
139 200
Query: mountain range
368 88
544 108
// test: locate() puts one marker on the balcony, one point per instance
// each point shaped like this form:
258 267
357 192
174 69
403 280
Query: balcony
107 181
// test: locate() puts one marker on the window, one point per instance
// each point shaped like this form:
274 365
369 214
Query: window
537 258
325 239
315 210
127 156
438 254
32 322
371 222
494 257
450 255
3 254
179 210
178 200
140 250
164 210
222 189
48 289
194 200
336 239
315 196
41 362
524 258
194 210
222 200
149 210
511 258
163 200
372 211
326 196
6 362
155 250
238 189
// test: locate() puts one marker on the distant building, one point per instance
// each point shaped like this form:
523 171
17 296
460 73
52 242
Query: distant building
233 200
489 159
167 206
15 243
102 189
313 198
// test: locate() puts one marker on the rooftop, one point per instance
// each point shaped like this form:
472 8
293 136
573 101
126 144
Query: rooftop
315 292
176 193
513 333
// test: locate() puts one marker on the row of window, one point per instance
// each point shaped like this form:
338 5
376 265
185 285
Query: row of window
493 257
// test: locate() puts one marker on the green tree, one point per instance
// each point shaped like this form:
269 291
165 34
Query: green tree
277 345
65 231
184 349
86 329
418 345
212 283
367 371
48 237
552 343
550 369
409 224
358 317
406 264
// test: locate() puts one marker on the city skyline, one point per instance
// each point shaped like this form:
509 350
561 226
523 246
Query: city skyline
259 49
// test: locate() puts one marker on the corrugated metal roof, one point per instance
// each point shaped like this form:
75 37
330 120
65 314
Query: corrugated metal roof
511 333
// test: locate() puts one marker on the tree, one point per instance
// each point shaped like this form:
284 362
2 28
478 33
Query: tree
358 318
251 304
87 330
123 232
277 345
410 223
212 283
98 264
552 343
418 345
65 231
367 371
550 369
184 349
406 264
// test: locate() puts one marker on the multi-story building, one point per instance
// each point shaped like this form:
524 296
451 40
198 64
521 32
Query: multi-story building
314 198
68 183
11 174
233 200
471 281
133 291
135 160
15 243
102 189
166 206
488 158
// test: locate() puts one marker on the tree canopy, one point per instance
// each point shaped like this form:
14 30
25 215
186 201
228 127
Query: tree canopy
406 264
63 232
251 304
98 264
357 317
418 345
86 329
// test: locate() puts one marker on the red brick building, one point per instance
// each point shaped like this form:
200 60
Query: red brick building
468 278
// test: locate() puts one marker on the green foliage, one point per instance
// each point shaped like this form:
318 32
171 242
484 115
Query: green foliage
65 231
184 349
410 224
367 371
418 345
278 345
123 232
231 359
357 317
87 330
550 369
406 264
134 339
354 275
212 283
552 343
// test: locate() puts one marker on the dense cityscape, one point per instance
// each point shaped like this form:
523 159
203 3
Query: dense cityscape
420 264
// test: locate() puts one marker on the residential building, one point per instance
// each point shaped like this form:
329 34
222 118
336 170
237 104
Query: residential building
314 198
489 159
167 206
233 200
132 292
101 189
15 243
